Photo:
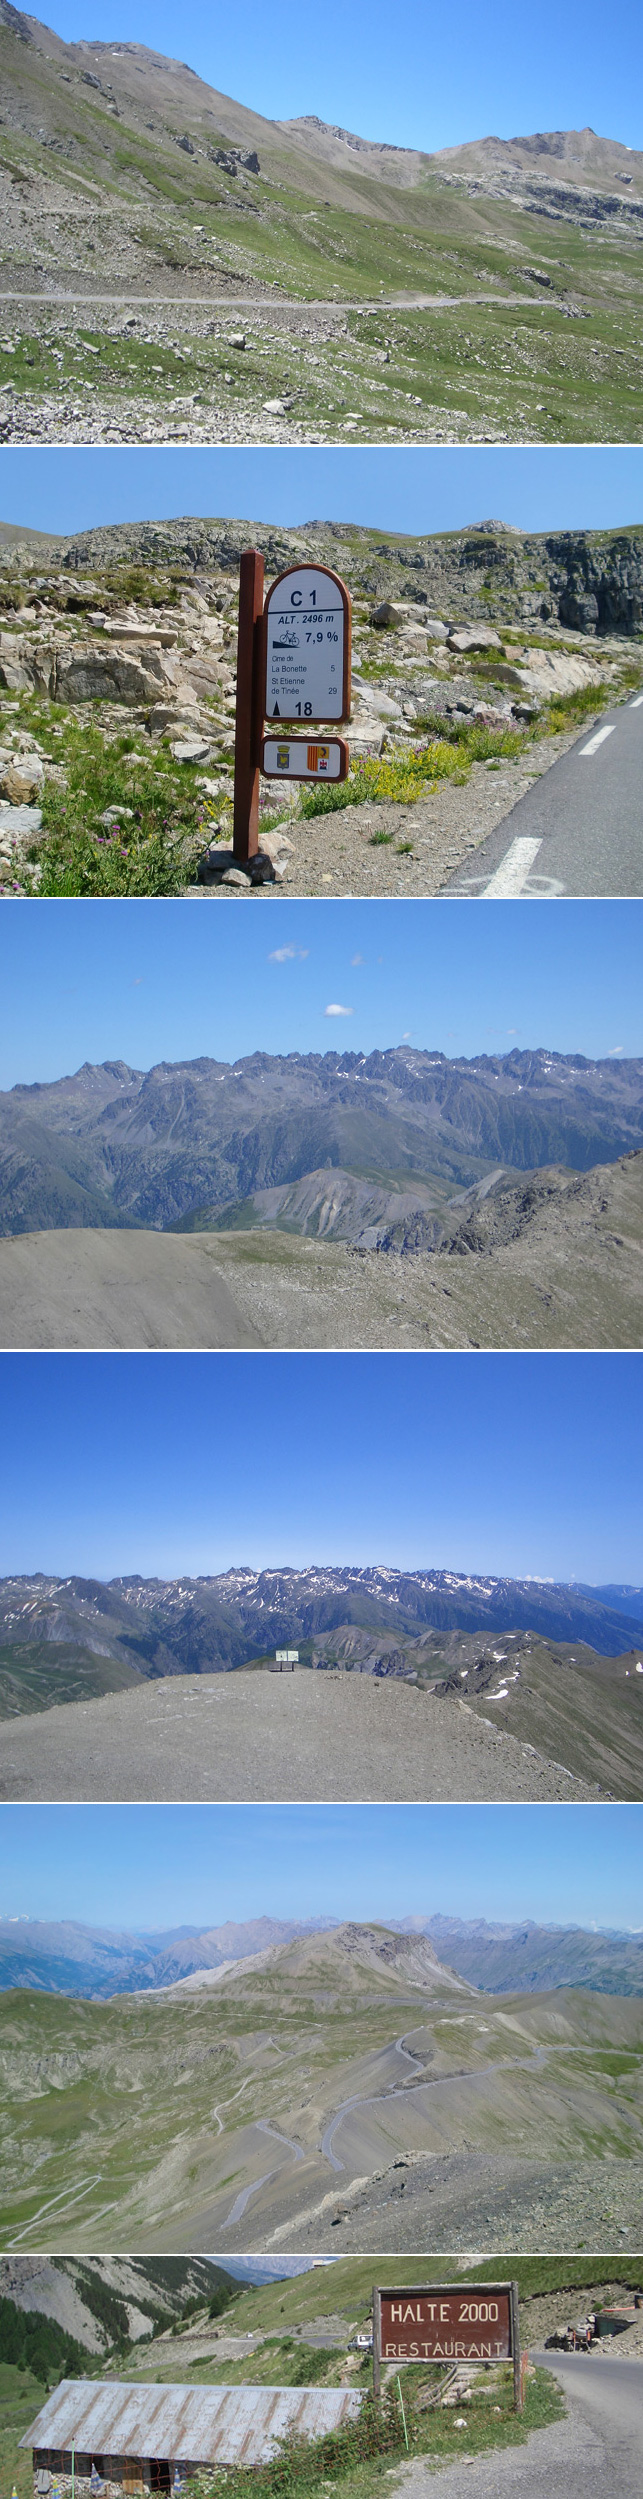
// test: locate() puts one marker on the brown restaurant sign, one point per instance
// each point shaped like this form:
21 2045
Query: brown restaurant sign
447 2322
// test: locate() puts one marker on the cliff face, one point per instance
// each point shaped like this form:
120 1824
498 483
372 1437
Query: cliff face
590 581
598 582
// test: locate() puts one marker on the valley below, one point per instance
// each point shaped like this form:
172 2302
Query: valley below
333 2091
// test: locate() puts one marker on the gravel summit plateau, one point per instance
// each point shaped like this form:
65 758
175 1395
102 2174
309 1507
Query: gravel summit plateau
412 1685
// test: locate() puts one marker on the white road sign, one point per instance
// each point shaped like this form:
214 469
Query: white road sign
307 616
301 759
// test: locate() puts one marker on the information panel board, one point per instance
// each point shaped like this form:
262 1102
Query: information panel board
301 759
307 628
446 2322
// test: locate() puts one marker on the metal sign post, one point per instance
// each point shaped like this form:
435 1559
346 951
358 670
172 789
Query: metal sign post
476 2322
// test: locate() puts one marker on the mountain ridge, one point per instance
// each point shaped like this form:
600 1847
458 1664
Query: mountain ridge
111 1144
216 1622
67 1958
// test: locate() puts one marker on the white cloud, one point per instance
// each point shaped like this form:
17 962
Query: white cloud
356 958
617 1052
289 954
338 1010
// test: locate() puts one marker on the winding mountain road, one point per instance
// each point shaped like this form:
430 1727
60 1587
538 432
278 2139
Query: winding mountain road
432 2082
267 302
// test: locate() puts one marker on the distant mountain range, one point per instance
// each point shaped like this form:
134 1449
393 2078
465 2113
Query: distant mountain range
531 1957
67 1958
622 1599
183 1143
210 1625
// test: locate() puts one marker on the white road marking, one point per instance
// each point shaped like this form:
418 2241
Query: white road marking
597 740
636 705
514 869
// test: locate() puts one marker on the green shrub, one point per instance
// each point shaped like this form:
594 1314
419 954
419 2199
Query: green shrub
303 2466
565 710
153 853
403 775
399 776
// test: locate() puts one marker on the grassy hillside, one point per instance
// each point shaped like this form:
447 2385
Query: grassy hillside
21 2397
581 1710
124 176
345 2288
38 1675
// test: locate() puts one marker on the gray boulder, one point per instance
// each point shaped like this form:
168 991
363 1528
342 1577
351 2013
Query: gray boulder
474 638
389 612
96 675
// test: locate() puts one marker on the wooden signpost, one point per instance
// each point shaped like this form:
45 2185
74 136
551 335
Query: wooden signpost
448 2322
249 721
293 667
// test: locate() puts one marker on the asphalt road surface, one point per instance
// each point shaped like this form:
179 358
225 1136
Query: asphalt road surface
579 829
596 2453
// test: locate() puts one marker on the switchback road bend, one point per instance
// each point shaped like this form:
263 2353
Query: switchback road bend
579 829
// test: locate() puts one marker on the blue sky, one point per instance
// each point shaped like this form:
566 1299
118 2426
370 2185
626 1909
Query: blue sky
173 1865
408 490
87 980
514 1464
416 76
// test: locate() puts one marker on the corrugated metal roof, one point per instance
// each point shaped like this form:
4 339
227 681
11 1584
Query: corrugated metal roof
211 2424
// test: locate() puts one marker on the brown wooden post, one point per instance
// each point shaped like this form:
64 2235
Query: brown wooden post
249 721
515 2337
377 2344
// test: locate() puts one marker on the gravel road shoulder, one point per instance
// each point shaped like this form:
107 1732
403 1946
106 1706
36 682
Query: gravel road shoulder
561 2458
344 853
